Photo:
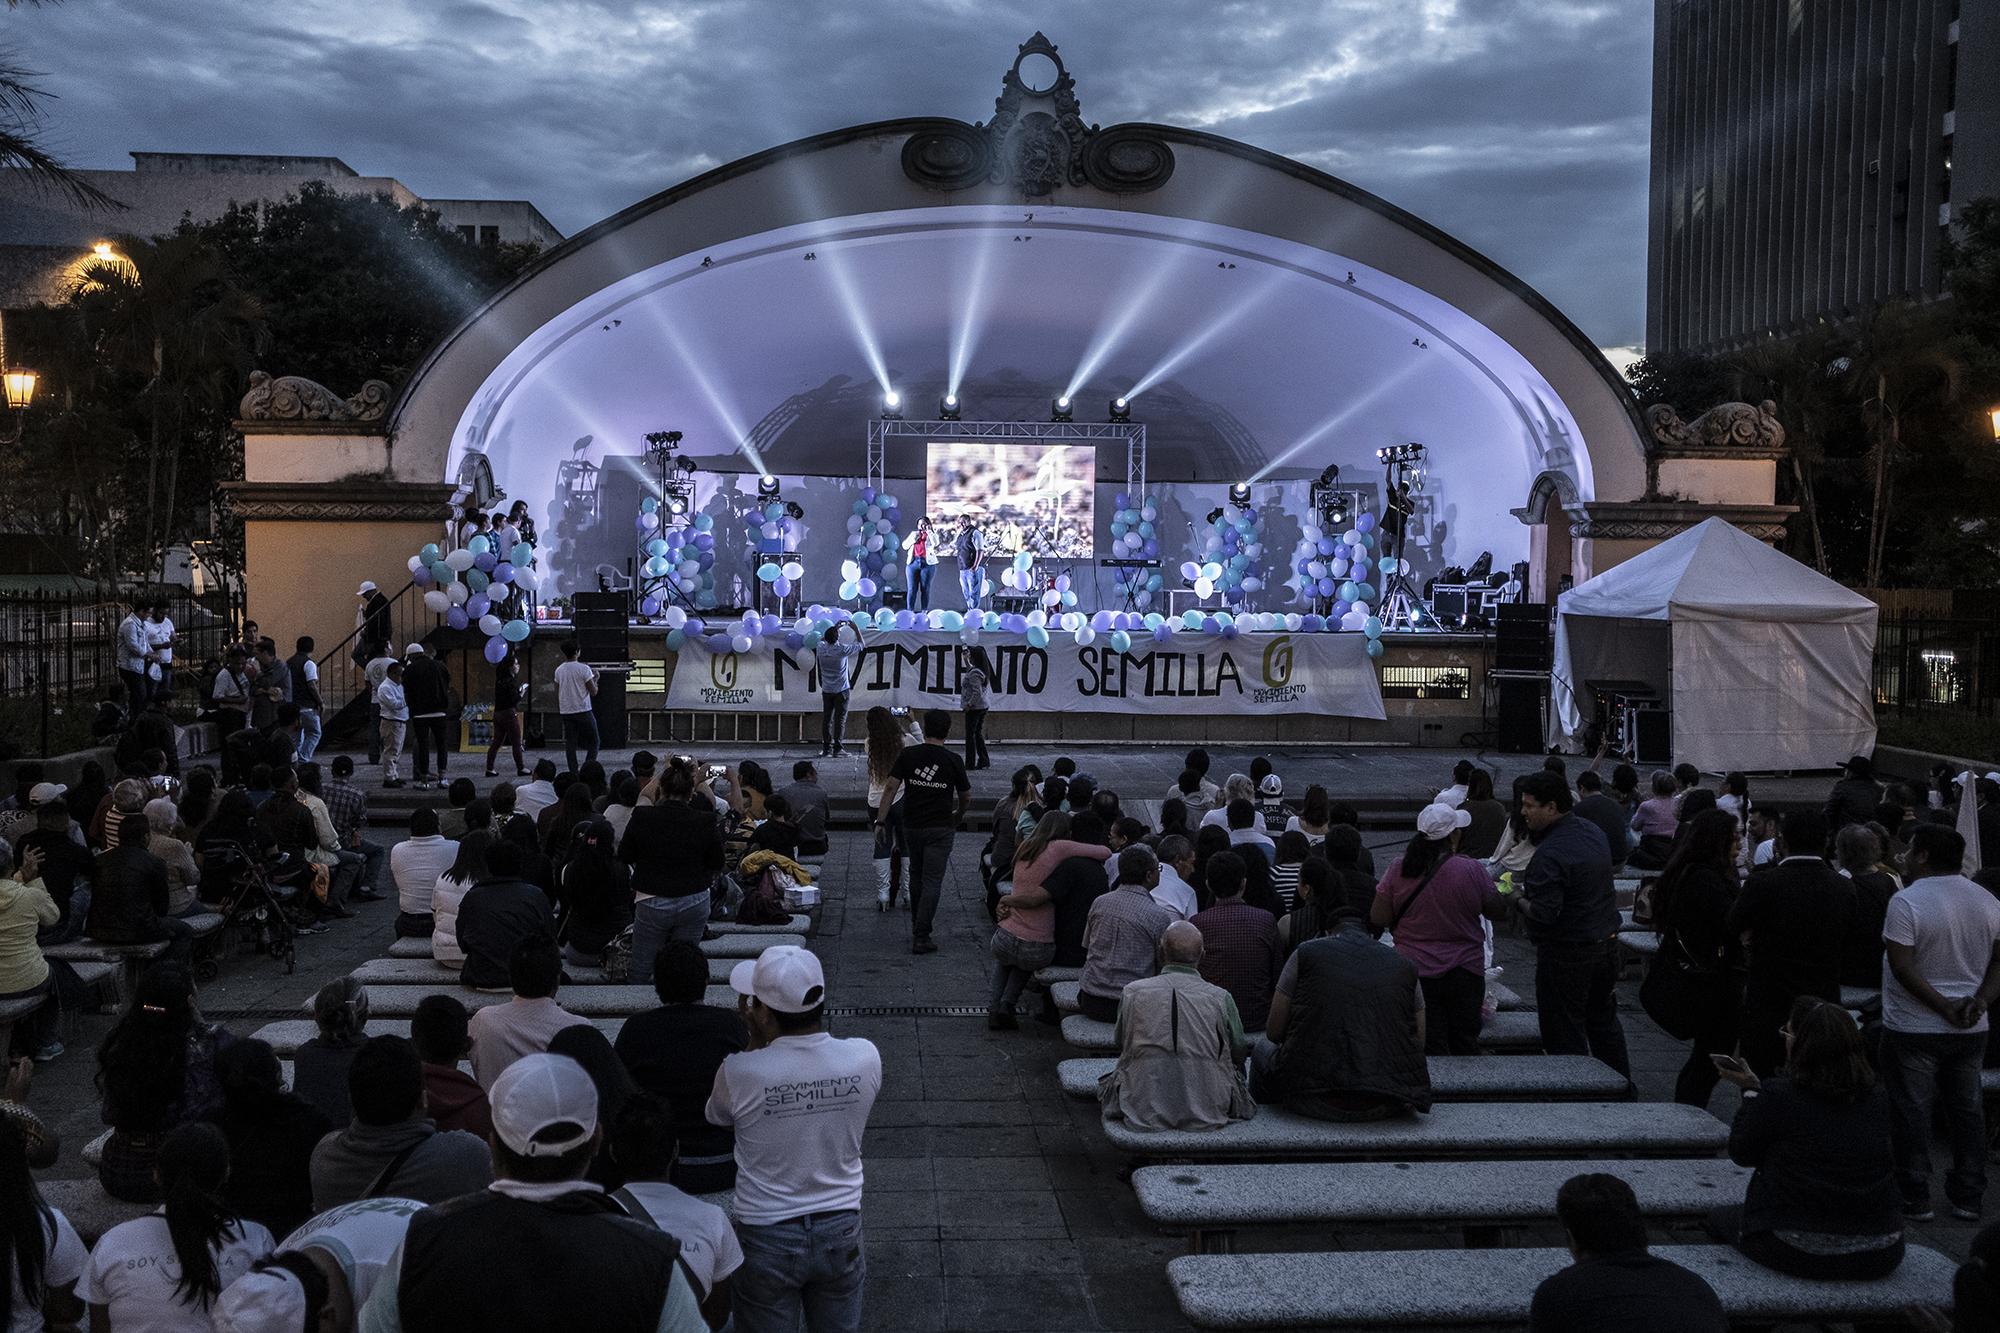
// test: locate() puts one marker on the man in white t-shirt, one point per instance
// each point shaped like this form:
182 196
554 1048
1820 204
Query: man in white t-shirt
531 798
576 687
643 1146
1940 972
1173 892
160 635
349 1247
798 1101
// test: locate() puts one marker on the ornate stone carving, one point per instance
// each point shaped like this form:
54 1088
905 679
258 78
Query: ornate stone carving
1037 142
1726 426
343 501
295 398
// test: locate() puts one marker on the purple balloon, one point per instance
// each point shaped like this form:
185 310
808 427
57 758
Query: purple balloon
456 618
795 640
1326 546
868 494
1229 631
1341 550
704 541
1311 624
478 605
1210 624
1161 634
422 578
485 561
496 648
503 572
1152 549
694 627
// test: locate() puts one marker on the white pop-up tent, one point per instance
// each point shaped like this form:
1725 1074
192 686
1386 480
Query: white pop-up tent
1765 663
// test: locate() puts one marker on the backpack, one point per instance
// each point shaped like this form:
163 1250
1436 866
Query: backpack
617 957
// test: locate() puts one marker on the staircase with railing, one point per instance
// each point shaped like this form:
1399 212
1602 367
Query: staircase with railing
341 679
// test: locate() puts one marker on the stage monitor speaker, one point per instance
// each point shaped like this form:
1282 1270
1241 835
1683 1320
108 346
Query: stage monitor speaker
1521 637
1653 736
1448 604
1521 703
603 626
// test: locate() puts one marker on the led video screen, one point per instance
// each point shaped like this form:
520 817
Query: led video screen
1038 498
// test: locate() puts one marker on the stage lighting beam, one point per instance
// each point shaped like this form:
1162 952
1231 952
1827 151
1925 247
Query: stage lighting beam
892 405
1120 409
1239 495
1061 408
767 488
948 409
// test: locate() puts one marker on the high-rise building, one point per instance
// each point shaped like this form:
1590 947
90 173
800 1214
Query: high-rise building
1808 156
43 236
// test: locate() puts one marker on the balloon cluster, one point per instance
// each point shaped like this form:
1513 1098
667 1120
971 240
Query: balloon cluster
683 557
479 585
771 533
1135 536
1018 575
872 546
1229 557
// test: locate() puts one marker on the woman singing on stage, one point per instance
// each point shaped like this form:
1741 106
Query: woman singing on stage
920 562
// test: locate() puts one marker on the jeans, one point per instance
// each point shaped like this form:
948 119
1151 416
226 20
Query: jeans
1768 1249
506 731
346 875
309 733
1916 1066
1015 962
1452 1003
429 731
917 585
371 854
805 1271
658 921
1698 1077
1576 999
163 688
137 688
975 738
930 849
833 720
968 584
579 729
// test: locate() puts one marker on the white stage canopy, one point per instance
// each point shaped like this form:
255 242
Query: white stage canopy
1765 663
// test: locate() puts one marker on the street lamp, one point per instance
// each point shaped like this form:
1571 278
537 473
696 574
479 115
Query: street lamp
1995 414
20 384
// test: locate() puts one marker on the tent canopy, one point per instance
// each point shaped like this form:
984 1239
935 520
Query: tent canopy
1765 663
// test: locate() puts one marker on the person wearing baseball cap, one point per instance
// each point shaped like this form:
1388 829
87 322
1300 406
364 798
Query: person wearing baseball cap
799 1101
540 1250
1436 902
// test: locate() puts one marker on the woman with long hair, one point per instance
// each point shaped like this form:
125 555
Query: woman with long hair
507 693
319 1068
1735 798
271 1133
973 684
1025 940
467 869
155 1070
43 1253
1315 816
1310 916
1174 821
1436 902
595 894
920 556
1514 851
886 738
999 853
1691 903
573 809
1290 853
164 1271
1489 816
1822 1202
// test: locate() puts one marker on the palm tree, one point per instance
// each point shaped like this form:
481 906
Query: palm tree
20 124
1903 361
168 310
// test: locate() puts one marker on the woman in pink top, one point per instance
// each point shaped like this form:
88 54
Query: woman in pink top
1025 939
1656 822
1432 901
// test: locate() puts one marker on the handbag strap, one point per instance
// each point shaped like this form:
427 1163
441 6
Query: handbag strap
377 1187
1417 892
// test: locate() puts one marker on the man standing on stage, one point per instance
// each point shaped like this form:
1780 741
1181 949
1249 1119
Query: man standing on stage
971 561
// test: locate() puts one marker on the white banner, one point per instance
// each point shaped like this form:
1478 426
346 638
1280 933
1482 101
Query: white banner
1253 675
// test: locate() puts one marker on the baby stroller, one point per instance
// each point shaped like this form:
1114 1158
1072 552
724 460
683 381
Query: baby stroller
262 902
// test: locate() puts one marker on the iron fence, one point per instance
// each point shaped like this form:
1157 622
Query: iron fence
1948 666
58 653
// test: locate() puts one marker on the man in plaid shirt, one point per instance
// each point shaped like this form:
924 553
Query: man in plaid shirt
1242 953
347 807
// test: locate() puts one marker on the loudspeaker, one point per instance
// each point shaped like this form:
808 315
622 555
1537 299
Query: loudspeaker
1652 736
1521 701
602 625
1521 639
612 732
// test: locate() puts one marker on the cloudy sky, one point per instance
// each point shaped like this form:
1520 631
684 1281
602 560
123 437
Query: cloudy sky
1518 125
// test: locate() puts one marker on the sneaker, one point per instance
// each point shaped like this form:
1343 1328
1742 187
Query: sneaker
48 1052
923 946
1965 1214
1919 1212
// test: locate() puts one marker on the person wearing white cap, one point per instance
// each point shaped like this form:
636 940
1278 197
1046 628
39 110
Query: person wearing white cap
541 1248
321 1275
1435 902
1271 801
799 1101
371 617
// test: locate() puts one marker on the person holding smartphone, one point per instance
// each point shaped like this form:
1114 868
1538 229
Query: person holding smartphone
1822 1200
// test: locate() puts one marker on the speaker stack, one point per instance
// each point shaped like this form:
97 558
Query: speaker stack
1523 650
602 624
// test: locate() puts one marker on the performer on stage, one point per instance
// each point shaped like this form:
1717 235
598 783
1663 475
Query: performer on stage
971 556
919 563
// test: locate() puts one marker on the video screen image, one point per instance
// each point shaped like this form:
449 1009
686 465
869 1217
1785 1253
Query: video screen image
1039 498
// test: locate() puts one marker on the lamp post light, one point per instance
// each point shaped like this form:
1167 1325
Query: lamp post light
20 383
1995 415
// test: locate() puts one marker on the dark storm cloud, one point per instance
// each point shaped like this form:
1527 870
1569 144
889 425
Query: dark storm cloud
1517 125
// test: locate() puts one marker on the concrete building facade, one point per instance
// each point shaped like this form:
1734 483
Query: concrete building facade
1807 159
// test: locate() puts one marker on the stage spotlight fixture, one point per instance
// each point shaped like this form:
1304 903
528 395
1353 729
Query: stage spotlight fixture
767 488
1400 453
1213 514
892 406
948 407
1121 409
1330 475
677 504
1061 409
1239 495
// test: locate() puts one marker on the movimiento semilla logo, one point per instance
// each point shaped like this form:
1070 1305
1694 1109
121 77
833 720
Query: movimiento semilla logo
1278 662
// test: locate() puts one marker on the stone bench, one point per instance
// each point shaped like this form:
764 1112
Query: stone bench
1637 946
1054 976
1454 1078
86 950
287 1035
1426 1288
1210 1202
1508 1032
89 1209
428 971
1860 997
583 1001
736 944
1066 993
1452 1129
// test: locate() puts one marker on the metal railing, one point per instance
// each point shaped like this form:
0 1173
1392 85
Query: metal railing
340 676
1936 665
59 656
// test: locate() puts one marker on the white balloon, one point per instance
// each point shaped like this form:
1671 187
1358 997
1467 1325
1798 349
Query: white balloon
460 560
1204 587
676 617
416 563
527 580
437 601
458 594
489 625
1085 635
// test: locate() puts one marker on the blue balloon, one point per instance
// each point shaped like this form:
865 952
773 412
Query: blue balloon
703 522
1366 523
430 553
677 639
455 617
1374 648
522 554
